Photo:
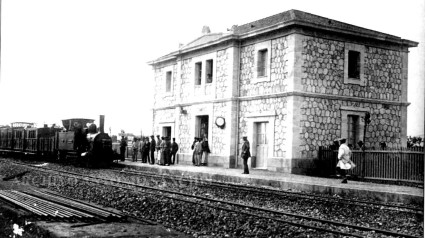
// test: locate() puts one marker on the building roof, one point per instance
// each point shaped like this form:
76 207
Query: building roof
282 20
203 39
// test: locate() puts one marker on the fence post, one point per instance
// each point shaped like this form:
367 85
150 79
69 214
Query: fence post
363 161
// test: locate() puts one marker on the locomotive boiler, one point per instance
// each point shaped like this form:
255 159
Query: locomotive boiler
85 142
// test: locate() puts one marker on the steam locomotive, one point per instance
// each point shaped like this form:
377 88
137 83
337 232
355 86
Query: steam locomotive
79 141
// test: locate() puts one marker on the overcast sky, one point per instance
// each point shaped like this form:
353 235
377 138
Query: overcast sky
83 58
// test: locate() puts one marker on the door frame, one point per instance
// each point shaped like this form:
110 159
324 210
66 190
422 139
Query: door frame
255 144
263 117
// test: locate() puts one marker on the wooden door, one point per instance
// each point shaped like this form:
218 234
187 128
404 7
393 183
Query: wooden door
261 144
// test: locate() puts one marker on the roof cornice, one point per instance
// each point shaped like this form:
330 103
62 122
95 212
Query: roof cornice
296 19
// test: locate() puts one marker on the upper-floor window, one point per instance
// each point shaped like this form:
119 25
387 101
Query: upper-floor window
354 64
209 71
168 77
262 63
198 73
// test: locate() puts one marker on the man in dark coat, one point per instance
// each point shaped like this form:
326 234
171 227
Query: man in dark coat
153 148
146 150
123 147
193 148
205 151
245 154
168 148
174 149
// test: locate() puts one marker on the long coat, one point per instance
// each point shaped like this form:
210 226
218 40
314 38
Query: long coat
245 150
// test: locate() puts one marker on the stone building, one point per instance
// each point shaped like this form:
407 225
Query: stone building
291 82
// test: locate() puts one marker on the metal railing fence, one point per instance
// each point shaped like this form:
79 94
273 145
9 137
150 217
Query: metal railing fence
401 164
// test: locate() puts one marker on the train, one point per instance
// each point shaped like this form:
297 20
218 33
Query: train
79 141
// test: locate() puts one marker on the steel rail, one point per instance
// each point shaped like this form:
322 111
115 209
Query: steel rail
58 207
73 204
280 192
83 177
50 209
29 208
36 205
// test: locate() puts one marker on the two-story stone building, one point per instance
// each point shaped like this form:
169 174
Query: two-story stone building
290 82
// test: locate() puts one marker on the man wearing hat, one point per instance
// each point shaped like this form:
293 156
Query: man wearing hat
193 148
344 161
245 155
167 151
153 147
174 149
198 152
123 148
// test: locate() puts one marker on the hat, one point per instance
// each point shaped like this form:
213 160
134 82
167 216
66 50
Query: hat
342 138
244 137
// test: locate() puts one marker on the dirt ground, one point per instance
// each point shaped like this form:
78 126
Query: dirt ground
60 229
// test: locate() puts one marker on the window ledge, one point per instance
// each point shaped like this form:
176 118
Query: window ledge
354 81
168 94
261 79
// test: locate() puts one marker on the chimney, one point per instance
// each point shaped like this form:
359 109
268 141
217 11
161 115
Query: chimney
206 30
102 123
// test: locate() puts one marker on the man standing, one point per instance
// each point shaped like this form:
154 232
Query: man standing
153 147
167 151
146 150
174 149
205 151
193 148
158 148
142 148
198 152
344 161
135 147
123 147
245 154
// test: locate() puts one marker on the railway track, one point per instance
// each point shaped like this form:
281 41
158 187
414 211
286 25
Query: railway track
272 192
47 205
323 225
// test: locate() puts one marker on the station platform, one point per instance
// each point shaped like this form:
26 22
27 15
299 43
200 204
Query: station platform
293 182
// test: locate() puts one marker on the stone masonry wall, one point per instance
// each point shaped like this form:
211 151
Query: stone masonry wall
278 69
278 105
186 80
184 138
323 71
163 99
223 64
321 124
220 139
162 116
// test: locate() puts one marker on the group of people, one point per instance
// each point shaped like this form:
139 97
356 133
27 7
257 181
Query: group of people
160 151
201 150
163 152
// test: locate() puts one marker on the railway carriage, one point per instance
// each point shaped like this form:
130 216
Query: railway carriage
5 138
79 139
14 138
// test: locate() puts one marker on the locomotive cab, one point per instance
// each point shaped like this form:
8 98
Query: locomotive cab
85 142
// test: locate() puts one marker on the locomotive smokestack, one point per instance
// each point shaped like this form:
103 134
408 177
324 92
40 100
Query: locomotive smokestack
102 124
